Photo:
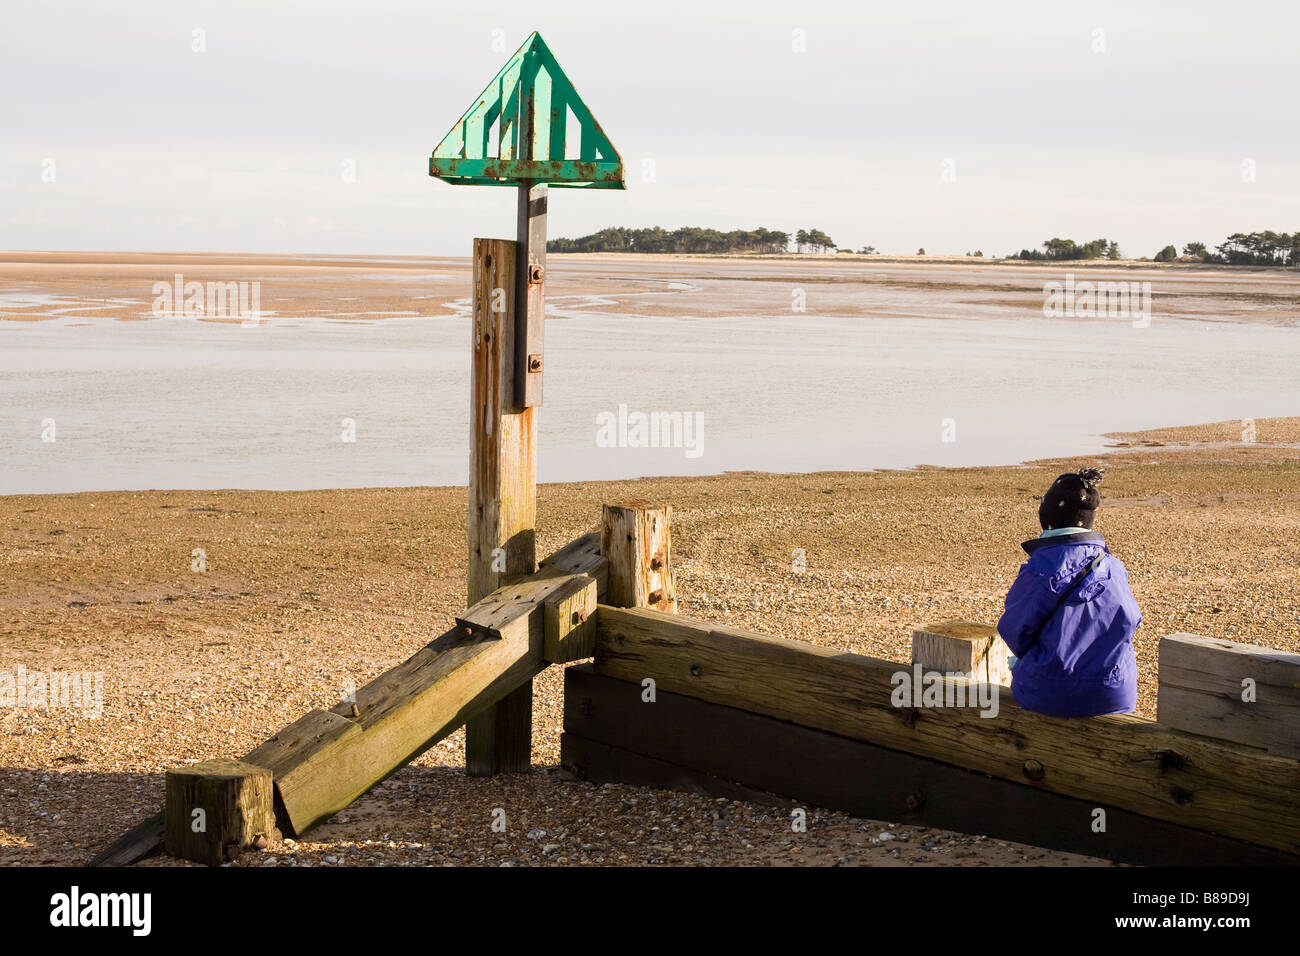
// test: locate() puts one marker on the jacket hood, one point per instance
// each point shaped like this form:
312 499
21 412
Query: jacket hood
1078 537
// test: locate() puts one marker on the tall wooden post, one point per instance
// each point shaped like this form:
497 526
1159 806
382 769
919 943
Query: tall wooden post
502 491
634 538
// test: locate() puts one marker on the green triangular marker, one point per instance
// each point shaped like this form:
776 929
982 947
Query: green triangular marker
529 101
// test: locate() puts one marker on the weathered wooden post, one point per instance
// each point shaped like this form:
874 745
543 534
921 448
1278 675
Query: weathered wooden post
635 539
217 809
502 493
528 102
1232 691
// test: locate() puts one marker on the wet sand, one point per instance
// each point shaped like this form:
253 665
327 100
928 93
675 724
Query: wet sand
43 286
306 592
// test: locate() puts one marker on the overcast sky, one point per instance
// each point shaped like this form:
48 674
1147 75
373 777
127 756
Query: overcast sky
1183 127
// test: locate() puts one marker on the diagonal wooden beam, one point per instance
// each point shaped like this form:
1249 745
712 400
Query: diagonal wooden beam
326 759
320 765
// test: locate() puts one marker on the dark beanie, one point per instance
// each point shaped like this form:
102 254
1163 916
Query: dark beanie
1072 500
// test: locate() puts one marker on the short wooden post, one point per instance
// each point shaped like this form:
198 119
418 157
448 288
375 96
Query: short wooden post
962 647
216 809
1243 693
635 539
502 493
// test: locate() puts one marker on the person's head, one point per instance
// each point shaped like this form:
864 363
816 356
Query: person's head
1072 500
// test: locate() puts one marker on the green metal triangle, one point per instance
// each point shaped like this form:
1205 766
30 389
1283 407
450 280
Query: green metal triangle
528 103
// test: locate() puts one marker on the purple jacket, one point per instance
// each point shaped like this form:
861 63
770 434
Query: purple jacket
1082 663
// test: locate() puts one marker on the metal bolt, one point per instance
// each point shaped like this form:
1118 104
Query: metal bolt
656 597
356 711
1033 770
580 616
534 363
535 274
915 800
696 671
656 563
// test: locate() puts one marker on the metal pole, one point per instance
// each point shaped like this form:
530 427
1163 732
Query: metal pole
529 284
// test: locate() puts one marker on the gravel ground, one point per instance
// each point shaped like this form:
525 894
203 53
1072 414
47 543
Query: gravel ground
306 593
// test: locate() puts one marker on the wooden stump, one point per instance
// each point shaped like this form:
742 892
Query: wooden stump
635 539
216 809
502 492
963 647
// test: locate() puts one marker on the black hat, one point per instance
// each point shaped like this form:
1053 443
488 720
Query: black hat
1072 500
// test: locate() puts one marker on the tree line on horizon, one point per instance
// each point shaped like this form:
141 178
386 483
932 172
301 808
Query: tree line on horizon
1057 248
1253 248
693 239
1265 248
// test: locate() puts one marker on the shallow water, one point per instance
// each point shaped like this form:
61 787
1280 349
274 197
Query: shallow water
174 403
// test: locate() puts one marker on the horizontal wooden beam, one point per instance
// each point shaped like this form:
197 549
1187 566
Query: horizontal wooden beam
595 762
612 735
1239 692
1118 761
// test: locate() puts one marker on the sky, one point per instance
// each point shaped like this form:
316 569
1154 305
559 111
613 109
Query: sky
952 126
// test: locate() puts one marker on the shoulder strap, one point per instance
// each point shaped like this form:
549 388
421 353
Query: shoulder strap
1078 579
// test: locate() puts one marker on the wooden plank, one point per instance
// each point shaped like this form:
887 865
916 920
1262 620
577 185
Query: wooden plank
217 809
1121 761
635 539
1232 691
680 743
963 647
570 621
601 763
143 840
502 488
